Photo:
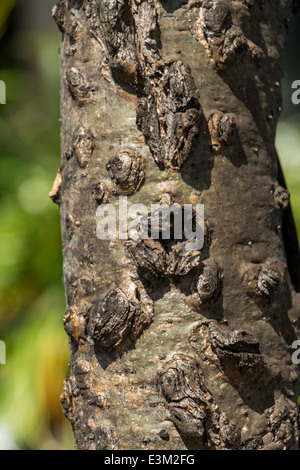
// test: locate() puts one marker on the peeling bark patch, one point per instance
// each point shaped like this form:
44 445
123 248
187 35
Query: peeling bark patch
83 146
126 169
119 319
192 408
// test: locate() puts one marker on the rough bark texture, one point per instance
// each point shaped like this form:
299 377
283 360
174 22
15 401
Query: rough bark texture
178 101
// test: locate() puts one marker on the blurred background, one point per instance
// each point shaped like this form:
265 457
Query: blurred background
32 299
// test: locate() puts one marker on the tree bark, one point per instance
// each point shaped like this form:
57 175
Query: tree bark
177 102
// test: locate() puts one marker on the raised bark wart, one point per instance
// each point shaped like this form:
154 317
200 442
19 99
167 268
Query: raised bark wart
70 226
83 145
118 320
58 14
69 397
72 26
99 192
222 129
260 281
216 16
238 352
169 114
75 324
167 256
282 429
126 170
209 283
80 89
281 197
193 411
219 31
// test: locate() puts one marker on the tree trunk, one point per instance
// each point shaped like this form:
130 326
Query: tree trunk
177 102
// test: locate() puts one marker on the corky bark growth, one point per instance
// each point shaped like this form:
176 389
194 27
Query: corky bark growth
177 102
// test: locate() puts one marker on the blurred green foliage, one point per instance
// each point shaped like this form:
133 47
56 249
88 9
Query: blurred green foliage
288 147
6 7
32 300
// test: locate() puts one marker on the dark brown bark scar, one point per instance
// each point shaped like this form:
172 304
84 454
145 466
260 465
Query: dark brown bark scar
169 114
99 192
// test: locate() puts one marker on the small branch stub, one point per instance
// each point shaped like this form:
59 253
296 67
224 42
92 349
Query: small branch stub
55 193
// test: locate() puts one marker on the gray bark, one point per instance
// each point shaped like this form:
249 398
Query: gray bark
177 101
